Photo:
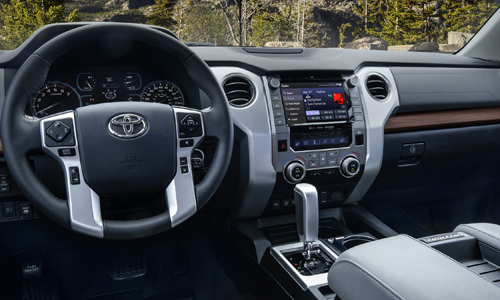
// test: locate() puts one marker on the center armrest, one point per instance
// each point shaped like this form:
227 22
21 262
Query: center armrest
401 267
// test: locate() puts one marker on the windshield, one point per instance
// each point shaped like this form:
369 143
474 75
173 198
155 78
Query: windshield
401 25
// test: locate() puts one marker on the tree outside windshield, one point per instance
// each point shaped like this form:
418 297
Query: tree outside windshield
414 25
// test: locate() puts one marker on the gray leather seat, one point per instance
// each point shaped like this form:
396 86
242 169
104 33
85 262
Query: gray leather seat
402 267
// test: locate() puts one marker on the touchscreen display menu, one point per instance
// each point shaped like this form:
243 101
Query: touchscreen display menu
314 102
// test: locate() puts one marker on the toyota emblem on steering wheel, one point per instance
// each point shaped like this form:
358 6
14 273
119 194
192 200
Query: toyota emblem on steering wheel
127 126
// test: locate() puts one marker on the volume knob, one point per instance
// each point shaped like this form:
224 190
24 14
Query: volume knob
349 166
294 172
274 83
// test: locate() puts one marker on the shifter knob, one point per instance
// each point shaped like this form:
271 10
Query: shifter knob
306 209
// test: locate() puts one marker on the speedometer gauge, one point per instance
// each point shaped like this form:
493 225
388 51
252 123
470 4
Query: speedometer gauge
53 98
163 92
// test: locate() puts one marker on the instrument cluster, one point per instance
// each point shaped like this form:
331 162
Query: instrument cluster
88 88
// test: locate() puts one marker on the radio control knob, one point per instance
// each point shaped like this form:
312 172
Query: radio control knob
274 83
352 82
294 172
349 166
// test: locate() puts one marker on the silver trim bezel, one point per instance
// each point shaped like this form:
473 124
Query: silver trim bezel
252 87
376 114
387 82
83 202
180 193
305 282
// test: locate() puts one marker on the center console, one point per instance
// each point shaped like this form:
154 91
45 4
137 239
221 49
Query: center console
319 136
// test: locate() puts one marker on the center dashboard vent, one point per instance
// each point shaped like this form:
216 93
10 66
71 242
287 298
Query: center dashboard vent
377 87
239 91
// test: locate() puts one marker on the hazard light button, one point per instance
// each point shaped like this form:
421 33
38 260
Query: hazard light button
282 146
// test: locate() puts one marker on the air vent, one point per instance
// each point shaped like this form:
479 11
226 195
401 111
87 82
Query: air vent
377 87
239 91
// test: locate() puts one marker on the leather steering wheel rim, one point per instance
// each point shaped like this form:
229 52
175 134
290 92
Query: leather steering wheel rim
21 134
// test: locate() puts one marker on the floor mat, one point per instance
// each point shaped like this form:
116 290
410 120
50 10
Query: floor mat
179 260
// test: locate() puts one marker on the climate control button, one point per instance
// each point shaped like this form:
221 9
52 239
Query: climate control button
349 166
294 172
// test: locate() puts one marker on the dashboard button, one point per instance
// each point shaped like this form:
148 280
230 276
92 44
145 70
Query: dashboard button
313 163
356 102
276 204
278 113
358 117
352 167
282 146
331 162
312 155
286 203
275 98
26 209
277 104
9 209
333 153
358 110
322 158
279 121
354 93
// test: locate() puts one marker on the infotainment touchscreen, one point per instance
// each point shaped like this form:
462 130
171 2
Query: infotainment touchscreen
314 102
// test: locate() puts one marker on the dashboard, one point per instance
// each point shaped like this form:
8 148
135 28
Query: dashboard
311 117
80 87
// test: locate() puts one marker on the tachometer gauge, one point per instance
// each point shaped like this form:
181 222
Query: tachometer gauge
53 98
163 92
86 82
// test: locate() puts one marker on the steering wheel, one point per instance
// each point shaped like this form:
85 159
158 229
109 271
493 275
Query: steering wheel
120 148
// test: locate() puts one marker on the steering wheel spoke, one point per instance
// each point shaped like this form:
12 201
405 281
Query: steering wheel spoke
180 193
59 140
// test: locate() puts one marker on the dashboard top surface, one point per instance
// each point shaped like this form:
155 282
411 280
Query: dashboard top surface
281 60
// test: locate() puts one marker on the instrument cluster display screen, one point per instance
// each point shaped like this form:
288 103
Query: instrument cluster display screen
314 102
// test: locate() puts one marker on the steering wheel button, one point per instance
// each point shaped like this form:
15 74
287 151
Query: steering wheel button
191 123
186 143
66 152
184 169
58 131
70 141
74 175
183 161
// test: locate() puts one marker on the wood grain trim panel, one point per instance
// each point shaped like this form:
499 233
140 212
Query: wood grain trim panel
442 119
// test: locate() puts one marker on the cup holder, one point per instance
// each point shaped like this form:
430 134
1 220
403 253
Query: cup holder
344 243
356 240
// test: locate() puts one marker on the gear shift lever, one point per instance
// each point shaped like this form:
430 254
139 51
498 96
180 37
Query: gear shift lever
306 210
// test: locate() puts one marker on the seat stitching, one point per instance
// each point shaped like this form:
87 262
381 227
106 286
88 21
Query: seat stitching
480 231
372 277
